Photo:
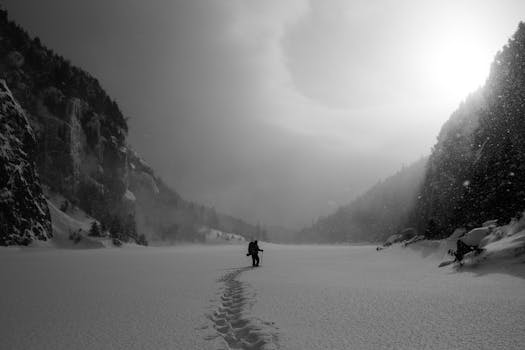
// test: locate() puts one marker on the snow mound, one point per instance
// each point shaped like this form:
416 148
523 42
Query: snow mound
405 235
393 239
475 236
508 247
504 246
219 237
413 240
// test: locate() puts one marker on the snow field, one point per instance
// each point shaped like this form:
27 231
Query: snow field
302 297
352 297
133 298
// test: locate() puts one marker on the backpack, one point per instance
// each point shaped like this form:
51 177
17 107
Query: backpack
251 248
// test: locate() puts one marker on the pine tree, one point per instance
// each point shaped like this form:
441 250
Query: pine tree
94 231
476 169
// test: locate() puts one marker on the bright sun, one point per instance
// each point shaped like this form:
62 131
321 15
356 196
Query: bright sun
455 62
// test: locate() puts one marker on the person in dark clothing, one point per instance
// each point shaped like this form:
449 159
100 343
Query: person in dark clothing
463 249
253 250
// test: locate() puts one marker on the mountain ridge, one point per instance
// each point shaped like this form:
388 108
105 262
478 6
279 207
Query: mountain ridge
379 212
82 151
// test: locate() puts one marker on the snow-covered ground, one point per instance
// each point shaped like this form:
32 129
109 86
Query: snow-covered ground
73 220
357 298
303 297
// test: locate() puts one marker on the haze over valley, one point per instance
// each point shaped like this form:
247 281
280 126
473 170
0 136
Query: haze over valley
277 112
262 175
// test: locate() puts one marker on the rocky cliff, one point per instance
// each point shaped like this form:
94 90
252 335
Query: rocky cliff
82 152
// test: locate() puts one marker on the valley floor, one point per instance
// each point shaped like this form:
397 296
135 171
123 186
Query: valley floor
302 297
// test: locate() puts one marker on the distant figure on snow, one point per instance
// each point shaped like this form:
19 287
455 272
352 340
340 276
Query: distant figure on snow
253 250
469 242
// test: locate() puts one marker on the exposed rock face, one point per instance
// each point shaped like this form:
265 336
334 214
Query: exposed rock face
77 140
82 152
146 193
24 215
141 176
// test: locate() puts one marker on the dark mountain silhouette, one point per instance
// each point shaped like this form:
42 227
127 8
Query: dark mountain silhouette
378 213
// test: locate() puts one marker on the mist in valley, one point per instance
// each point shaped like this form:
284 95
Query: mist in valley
273 112
307 174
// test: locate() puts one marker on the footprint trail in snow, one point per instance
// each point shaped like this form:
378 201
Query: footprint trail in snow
231 323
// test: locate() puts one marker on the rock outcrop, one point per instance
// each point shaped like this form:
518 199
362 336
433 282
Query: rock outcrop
82 153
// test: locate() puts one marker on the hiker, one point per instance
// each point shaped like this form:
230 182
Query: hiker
253 250
471 241
461 250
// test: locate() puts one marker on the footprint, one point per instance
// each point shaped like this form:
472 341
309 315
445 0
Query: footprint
237 331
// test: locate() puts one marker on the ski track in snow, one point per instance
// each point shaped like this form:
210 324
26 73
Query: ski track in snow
230 322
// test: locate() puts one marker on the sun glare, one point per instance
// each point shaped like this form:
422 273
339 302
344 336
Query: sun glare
455 62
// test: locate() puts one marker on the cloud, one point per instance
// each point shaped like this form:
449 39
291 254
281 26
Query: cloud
275 111
256 145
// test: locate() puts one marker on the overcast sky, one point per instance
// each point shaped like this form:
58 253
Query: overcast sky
278 111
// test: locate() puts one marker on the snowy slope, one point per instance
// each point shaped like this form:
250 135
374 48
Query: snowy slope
65 223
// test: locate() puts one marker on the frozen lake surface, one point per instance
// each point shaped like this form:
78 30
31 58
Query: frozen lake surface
303 297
